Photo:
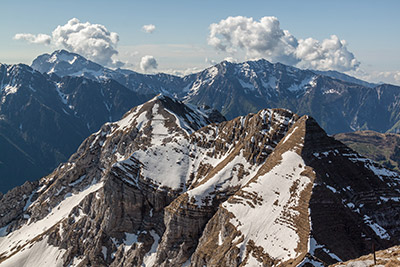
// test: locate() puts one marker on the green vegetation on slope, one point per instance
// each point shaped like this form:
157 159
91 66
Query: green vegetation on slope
382 148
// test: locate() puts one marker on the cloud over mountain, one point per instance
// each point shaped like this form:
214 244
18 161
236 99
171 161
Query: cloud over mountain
266 39
148 63
93 41
392 77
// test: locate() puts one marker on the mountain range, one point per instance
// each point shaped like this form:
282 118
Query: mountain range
171 184
340 103
44 118
47 110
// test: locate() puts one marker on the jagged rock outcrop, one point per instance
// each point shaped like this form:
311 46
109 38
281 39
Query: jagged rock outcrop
168 186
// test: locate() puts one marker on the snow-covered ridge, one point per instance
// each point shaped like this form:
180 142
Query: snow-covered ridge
67 57
162 127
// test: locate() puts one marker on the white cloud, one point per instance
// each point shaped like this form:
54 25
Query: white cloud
329 54
210 61
392 77
149 28
148 63
266 39
34 39
231 59
93 41
389 76
184 72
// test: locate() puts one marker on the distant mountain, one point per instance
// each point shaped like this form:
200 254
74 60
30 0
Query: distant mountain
340 103
64 63
338 106
43 119
167 186
382 148
239 88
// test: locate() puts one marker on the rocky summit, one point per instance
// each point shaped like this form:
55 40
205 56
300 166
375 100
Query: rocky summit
171 184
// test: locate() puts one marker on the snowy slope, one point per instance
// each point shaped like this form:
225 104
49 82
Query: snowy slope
18 243
275 197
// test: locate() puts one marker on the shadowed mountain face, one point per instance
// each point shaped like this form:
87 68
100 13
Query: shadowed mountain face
43 119
165 186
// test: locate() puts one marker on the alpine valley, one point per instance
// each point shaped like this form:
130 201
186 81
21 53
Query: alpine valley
165 179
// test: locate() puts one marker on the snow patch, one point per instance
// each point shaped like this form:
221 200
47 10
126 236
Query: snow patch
289 135
379 230
267 222
39 254
150 257
28 232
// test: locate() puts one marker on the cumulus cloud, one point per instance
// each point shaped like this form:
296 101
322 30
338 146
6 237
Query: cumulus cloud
148 63
266 39
34 39
331 53
149 28
93 41
389 76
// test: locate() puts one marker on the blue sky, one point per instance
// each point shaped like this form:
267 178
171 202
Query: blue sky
370 28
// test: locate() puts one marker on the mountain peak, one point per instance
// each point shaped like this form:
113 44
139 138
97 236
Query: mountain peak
307 176
65 63
164 111
64 55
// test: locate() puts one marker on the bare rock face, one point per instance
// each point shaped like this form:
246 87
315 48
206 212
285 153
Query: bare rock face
241 147
167 186
14 203
386 257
